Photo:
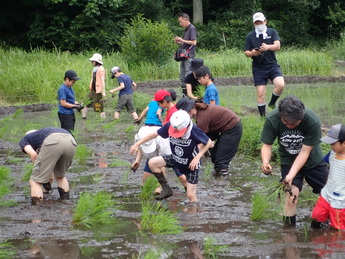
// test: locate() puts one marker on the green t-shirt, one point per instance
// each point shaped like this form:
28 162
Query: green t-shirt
308 132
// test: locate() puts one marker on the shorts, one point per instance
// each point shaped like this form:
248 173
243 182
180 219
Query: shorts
191 176
316 177
261 76
323 211
55 156
125 100
146 167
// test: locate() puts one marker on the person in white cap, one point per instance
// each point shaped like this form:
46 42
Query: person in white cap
184 138
331 203
298 131
261 45
152 148
97 87
125 89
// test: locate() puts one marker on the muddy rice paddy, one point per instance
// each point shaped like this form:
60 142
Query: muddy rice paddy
222 213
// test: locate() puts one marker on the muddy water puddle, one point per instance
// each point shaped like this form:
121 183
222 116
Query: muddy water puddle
223 212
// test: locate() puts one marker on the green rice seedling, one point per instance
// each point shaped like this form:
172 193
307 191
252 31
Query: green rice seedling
7 250
149 187
12 158
211 249
82 154
264 202
158 220
6 185
93 209
27 171
208 168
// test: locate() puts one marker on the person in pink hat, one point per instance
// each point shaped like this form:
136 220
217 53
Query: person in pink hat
184 139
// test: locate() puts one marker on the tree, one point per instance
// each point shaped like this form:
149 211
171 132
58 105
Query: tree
197 11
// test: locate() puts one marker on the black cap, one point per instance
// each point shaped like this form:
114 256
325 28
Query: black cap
195 64
185 104
71 74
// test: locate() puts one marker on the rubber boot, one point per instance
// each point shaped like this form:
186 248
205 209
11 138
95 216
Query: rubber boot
166 189
63 195
289 221
316 224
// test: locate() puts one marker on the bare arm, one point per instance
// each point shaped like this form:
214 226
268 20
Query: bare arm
143 113
122 85
31 152
189 92
266 154
299 162
66 104
194 163
264 47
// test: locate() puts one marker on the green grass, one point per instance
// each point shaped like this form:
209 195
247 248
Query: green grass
148 188
28 86
158 220
6 185
82 154
93 209
212 249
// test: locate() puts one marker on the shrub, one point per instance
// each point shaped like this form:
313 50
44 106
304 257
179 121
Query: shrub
146 41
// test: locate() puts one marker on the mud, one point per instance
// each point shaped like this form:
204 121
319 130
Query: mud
223 211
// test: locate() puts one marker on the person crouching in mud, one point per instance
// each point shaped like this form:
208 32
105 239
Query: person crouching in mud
184 138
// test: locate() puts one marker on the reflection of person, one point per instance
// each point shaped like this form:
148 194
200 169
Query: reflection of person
191 82
125 93
204 76
184 139
67 101
165 101
51 150
187 42
97 86
331 203
298 130
260 45
221 125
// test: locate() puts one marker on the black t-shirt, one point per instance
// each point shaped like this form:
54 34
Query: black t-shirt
268 58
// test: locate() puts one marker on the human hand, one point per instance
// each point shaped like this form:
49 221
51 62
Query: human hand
194 163
266 169
134 149
134 167
288 179
78 107
136 122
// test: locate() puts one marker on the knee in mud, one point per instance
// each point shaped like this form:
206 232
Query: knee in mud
36 200
63 195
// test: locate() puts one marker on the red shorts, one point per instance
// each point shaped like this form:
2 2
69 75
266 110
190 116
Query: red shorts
323 211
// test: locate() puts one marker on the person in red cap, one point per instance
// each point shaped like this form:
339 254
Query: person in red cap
165 101
184 138
331 203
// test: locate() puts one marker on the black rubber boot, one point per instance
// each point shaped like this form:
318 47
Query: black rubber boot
289 221
63 195
316 224
166 189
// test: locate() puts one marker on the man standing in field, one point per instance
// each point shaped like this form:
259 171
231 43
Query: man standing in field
188 42
260 45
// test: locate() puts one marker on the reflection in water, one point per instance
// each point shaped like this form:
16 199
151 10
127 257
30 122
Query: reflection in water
331 244
51 248
289 239
101 160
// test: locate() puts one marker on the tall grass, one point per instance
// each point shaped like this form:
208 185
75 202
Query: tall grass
37 75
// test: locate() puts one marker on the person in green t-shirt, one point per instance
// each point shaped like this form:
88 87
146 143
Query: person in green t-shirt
298 130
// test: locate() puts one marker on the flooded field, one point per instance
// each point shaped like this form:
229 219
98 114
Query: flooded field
222 213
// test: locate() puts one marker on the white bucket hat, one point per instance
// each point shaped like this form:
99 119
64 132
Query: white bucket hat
97 57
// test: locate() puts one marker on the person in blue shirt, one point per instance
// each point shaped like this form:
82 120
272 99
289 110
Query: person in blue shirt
67 101
184 138
125 93
204 76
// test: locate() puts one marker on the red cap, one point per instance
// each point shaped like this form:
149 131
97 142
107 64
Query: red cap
159 95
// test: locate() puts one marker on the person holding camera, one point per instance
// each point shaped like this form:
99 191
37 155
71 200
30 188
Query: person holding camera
187 42
67 101
261 45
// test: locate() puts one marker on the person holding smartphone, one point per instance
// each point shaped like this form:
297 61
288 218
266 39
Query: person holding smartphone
261 45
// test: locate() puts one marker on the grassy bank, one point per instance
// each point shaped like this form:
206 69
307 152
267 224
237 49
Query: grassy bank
32 77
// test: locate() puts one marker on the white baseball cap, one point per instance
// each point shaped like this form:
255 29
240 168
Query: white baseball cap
259 17
179 123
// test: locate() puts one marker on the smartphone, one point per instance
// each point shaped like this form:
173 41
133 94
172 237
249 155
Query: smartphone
257 49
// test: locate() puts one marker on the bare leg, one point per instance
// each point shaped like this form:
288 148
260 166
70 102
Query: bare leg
36 192
117 115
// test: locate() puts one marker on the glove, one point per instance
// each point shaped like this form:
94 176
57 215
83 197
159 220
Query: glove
136 122
79 107
134 167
